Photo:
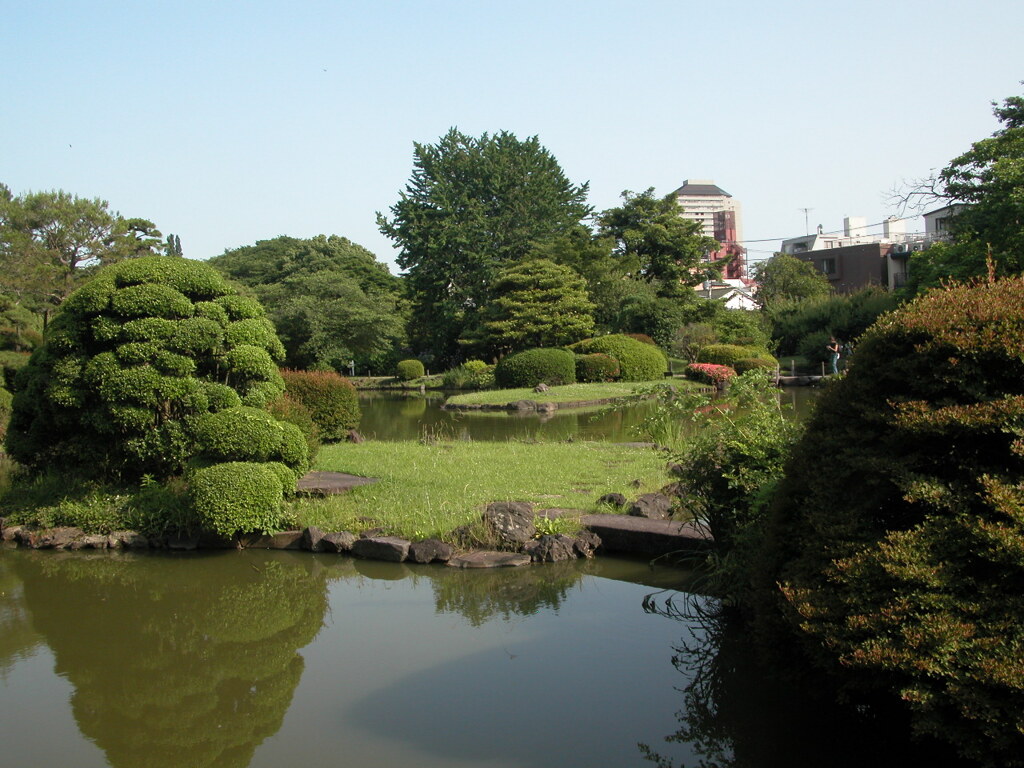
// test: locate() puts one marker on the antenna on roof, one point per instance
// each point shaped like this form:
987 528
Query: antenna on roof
807 225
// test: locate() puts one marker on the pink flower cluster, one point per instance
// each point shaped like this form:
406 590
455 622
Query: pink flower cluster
710 373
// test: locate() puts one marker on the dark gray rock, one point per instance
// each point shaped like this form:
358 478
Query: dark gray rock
354 437
311 538
523 405
614 499
340 541
371 533
542 387
482 559
511 522
674 490
387 548
546 407
551 548
586 543
676 469
430 551
653 506
89 541
56 538
10 533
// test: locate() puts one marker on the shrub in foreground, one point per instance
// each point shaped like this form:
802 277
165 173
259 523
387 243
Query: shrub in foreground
237 497
536 366
708 373
897 535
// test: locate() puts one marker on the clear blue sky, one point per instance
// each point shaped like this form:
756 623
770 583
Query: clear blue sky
230 122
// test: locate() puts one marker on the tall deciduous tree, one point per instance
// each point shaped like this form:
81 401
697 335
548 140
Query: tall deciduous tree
536 303
49 240
787 278
472 206
656 243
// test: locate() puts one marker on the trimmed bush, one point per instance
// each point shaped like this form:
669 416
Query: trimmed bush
407 370
330 398
126 365
745 364
642 337
637 361
536 366
709 373
238 434
237 497
288 409
895 547
596 367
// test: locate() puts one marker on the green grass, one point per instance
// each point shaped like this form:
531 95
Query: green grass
430 490
568 393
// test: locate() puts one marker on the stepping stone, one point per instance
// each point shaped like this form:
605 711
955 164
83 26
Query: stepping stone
329 483
643 536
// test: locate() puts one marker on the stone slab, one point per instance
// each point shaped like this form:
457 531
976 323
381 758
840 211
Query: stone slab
484 559
643 536
329 483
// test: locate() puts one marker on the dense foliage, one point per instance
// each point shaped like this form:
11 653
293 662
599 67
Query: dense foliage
731 354
535 303
596 367
50 241
330 398
407 370
785 278
637 361
897 535
471 207
334 305
536 366
129 359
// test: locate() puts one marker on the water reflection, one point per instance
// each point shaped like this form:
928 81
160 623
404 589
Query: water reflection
17 637
738 713
173 662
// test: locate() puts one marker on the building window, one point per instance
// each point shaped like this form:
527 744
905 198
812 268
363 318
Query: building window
828 266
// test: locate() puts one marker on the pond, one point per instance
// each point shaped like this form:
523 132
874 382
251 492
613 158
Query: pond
258 658
390 415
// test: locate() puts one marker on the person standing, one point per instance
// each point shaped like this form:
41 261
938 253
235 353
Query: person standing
833 353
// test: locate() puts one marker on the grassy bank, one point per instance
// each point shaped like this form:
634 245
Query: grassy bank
429 490
568 393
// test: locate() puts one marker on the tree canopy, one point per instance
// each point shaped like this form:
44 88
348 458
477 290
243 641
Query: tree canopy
49 241
536 303
472 206
654 242
787 278
331 300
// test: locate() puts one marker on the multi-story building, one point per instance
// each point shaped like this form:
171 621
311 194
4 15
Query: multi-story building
718 213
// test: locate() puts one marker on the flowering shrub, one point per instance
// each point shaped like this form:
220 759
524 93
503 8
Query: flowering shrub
709 373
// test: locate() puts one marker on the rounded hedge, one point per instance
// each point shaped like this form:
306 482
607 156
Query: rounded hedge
330 398
596 367
408 370
536 366
237 497
745 364
729 354
130 359
637 361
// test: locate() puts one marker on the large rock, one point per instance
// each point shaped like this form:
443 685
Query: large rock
586 543
551 548
311 538
653 506
339 541
430 551
511 522
613 499
387 548
56 538
128 540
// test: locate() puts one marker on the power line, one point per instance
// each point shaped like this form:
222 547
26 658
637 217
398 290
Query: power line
831 232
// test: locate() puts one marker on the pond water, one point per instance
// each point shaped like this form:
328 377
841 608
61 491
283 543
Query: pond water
390 415
258 658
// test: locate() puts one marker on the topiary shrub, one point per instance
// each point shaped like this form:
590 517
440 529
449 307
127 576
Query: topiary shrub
288 409
745 364
472 374
407 370
709 373
596 367
897 535
642 337
128 360
330 398
637 361
536 366
237 497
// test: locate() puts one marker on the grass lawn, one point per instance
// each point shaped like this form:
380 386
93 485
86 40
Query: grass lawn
429 490
567 393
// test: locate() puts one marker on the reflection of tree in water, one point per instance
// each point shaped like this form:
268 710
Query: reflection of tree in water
176 661
481 595
17 637
737 713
